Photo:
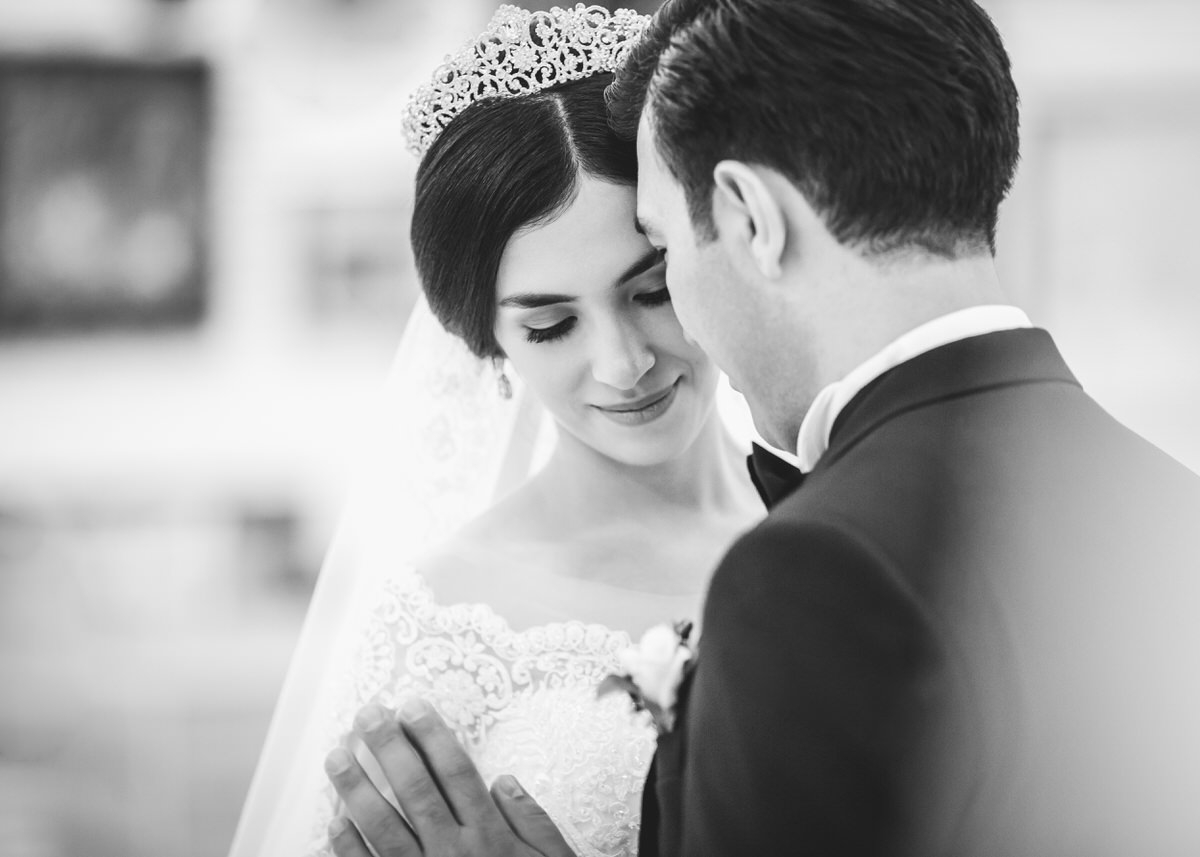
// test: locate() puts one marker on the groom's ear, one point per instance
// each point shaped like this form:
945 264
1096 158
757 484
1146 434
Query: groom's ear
746 211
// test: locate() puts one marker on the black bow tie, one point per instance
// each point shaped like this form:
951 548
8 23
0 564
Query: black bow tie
772 476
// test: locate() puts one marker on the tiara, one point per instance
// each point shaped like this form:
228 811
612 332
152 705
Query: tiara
520 53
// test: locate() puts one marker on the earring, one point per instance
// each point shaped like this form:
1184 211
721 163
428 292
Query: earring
502 383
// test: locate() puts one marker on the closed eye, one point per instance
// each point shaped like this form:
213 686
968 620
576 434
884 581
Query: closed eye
655 298
658 273
550 334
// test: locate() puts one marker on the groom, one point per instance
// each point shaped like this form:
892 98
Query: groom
972 629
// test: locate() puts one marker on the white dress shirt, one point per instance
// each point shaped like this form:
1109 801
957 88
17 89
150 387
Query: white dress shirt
813 439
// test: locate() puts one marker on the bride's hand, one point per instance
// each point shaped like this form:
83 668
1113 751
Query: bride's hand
449 810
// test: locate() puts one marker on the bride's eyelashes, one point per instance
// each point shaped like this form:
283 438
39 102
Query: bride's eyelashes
658 274
549 334
658 297
538 335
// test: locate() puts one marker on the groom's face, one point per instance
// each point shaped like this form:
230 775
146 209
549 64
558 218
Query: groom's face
712 299
662 215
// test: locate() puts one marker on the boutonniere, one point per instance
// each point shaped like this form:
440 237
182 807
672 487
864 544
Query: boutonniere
653 671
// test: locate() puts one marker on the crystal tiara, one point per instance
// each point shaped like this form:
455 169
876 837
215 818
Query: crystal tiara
520 53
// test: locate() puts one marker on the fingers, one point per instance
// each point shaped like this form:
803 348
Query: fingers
527 819
453 770
346 840
438 790
416 790
378 820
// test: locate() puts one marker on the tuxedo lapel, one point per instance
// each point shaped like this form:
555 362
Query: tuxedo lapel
648 833
972 365
662 798
1003 358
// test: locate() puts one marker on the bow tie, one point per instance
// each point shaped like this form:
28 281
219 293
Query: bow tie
772 476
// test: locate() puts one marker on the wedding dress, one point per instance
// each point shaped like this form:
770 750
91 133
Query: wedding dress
522 700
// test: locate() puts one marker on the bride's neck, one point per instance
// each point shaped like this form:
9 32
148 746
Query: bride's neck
709 477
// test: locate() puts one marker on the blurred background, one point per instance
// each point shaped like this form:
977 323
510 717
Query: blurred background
204 271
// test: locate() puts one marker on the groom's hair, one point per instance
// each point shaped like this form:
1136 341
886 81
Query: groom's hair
897 119
499 166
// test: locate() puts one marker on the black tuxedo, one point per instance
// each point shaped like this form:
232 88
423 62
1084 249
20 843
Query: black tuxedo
970 632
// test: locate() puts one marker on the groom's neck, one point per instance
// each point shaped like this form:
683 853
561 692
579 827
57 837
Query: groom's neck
883 300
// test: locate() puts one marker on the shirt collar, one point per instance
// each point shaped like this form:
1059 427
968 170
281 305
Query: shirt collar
817 425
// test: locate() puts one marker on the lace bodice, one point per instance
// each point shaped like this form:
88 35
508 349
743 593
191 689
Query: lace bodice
522 702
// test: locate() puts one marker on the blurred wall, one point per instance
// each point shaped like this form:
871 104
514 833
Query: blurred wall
1095 239
173 458
173 455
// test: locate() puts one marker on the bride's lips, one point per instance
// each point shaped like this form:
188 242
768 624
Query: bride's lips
643 410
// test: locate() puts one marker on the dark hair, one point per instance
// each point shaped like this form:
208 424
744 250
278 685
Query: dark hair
500 165
897 119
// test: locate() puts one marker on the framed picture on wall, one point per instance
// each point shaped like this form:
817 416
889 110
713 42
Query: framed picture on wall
103 193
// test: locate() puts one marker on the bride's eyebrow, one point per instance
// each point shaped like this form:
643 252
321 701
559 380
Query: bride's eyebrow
533 300
641 266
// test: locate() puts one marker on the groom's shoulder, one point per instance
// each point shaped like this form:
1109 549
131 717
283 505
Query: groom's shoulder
792 587
795 558
790 531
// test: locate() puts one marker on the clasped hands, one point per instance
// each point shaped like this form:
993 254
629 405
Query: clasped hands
447 809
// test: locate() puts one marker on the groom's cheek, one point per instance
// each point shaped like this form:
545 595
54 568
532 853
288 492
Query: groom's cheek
685 329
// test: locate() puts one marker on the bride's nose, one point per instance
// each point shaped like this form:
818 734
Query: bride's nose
621 356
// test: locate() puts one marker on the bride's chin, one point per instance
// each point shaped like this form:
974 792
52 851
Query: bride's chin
643 458
651 450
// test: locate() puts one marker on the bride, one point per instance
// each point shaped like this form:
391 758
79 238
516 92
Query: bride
525 240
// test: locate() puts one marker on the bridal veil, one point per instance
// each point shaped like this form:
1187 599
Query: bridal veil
446 444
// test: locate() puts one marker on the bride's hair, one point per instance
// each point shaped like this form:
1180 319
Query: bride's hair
501 165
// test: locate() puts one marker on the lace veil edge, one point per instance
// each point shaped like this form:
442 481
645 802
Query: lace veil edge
444 445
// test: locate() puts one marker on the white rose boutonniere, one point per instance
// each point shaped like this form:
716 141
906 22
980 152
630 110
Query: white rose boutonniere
653 671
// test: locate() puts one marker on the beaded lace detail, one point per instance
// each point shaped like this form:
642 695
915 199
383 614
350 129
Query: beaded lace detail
522 702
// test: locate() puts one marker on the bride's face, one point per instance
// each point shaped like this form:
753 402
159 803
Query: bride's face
584 315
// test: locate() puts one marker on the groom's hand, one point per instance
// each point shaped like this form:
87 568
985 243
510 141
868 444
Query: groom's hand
449 810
